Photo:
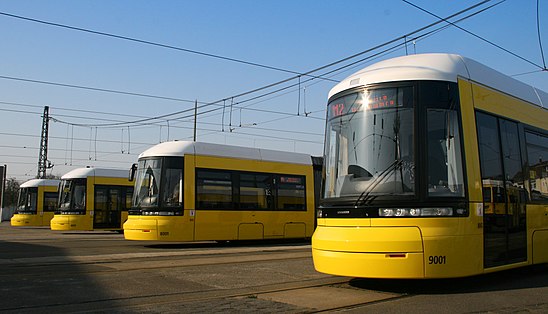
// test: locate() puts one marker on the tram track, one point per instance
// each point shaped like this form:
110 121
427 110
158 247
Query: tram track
128 278
187 301
191 284
143 263
44 261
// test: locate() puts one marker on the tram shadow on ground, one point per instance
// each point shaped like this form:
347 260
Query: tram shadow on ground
520 278
237 243
90 232
39 278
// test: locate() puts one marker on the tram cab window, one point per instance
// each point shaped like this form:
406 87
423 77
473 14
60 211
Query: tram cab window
444 157
172 183
28 201
72 196
370 144
79 197
445 175
147 183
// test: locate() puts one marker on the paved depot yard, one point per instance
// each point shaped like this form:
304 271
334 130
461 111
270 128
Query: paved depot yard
64 272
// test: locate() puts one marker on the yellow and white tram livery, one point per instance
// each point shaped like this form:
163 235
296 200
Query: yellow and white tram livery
192 191
412 146
37 203
93 198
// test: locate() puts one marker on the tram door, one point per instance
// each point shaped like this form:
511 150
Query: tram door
108 207
504 196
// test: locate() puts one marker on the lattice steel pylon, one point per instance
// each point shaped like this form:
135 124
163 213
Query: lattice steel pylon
43 163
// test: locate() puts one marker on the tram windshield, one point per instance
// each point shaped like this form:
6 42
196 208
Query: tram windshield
27 202
371 145
72 197
159 184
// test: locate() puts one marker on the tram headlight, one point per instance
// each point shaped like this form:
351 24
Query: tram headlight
437 211
386 212
158 213
422 212
415 212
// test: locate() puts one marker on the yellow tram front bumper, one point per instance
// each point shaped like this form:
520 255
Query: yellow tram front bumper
137 228
70 222
20 220
155 228
371 252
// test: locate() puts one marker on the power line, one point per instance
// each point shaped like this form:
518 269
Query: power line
308 73
256 97
331 64
329 72
68 138
529 72
477 36
105 90
539 38
141 41
309 79
173 126
383 52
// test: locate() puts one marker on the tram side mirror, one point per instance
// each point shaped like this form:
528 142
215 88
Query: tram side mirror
132 172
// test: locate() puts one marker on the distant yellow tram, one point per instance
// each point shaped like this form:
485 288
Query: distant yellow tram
37 203
93 199
191 191
434 167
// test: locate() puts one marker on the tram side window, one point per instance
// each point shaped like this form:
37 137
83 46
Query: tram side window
50 201
291 193
256 191
500 158
239 190
512 160
489 149
101 204
537 156
129 196
214 190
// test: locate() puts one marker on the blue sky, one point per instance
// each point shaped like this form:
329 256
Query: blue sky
293 35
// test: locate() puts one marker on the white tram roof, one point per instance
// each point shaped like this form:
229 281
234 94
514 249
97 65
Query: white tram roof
39 182
441 67
181 148
82 173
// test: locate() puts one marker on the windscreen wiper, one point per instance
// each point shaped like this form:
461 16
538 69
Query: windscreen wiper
364 197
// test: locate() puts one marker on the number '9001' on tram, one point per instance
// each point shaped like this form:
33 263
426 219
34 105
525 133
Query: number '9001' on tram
434 166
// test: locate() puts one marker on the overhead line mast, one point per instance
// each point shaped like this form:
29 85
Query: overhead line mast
43 163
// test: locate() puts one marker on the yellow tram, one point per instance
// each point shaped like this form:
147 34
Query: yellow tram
92 199
192 191
415 148
37 203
